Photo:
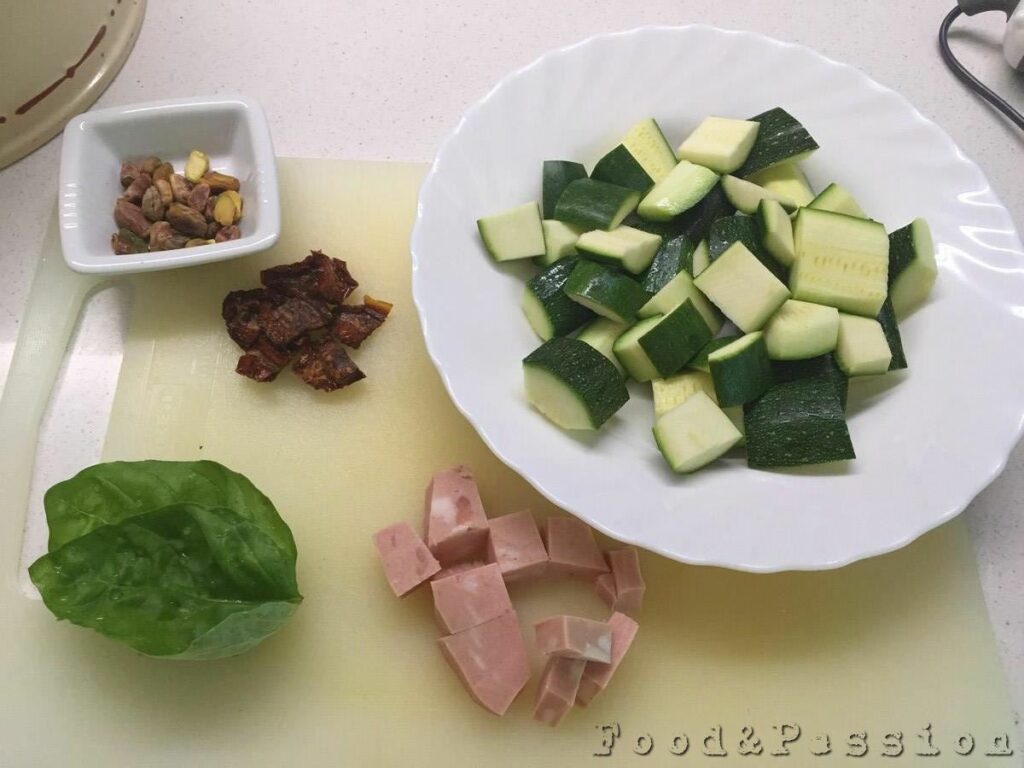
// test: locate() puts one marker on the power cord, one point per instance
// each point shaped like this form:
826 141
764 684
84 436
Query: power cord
970 80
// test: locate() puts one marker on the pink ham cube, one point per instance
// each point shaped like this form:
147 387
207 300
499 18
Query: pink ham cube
574 637
596 676
629 582
407 561
557 689
455 522
470 598
451 570
490 660
516 546
604 585
572 549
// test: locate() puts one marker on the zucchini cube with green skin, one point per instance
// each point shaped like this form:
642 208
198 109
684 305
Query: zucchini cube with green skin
674 256
841 261
559 241
786 183
592 204
621 168
781 138
573 385
646 142
776 231
629 249
514 234
557 175
741 370
836 199
744 229
862 348
685 186
747 196
826 365
659 346
801 330
547 308
701 257
795 423
675 390
887 319
743 288
700 360
912 268
679 289
602 333
605 291
720 143
694 433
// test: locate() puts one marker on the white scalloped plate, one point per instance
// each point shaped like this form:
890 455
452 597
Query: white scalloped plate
927 441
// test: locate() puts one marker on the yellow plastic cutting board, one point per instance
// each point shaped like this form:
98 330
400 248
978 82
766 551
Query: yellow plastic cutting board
895 644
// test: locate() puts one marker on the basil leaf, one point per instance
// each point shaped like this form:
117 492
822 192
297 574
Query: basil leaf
109 493
184 581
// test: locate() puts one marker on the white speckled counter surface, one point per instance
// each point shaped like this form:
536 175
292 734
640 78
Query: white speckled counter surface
388 80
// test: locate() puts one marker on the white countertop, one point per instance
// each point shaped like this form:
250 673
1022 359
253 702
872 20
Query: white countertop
388 80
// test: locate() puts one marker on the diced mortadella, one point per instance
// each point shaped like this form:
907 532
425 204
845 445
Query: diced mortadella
516 546
574 637
491 661
451 570
456 525
572 550
557 689
629 582
470 598
604 585
407 561
596 675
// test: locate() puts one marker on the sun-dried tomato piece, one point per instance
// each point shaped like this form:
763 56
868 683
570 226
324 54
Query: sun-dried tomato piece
325 365
316 276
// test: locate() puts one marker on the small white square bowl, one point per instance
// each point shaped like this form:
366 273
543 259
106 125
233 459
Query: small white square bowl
233 131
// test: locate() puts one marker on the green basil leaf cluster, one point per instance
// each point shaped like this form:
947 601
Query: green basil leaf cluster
183 560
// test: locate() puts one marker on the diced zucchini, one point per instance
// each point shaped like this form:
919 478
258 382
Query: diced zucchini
514 234
841 261
694 223
679 289
887 319
572 384
623 247
746 195
595 205
743 229
659 346
836 199
694 433
862 348
787 183
741 370
621 168
912 268
743 288
776 231
547 308
608 293
801 330
795 423
557 175
601 334
780 138
700 360
719 143
826 365
675 390
674 256
647 144
559 241
684 187
701 257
